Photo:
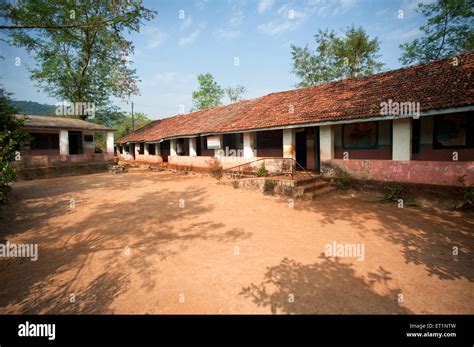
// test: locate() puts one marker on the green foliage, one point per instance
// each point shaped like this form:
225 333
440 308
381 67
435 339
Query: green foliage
12 138
447 32
269 187
215 168
209 93
341 179
261 171
87 61
351 55
124 125
33 108
393 192
468 198
235 94
468 195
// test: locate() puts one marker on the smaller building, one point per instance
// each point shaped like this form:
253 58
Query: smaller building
67 143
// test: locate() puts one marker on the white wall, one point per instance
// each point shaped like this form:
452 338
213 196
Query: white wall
326 140
110 142
401 149
64 142
289 143
249 144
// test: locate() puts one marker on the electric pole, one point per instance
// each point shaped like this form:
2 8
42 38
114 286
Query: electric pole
133 119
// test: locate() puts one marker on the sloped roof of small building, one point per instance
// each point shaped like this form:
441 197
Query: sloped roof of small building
60 123
438 85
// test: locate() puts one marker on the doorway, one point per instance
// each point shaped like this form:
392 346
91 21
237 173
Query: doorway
317 153
75 142
301 150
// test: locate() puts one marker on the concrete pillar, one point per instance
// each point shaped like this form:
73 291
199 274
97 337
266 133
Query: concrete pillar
192 147
249 144
326 141
63 142
110 142
146 149
137 149
401 146
289 144
173 152
157 149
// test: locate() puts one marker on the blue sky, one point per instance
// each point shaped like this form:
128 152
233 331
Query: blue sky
171 51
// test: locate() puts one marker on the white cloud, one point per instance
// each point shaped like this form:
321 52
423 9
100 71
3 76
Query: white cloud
186 23
274 29
403 34
236 19
157 37
289 17
223 34
190 38
324 8
170 79
201 4
265 5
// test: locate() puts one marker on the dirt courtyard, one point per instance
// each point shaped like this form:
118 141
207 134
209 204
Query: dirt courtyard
162 242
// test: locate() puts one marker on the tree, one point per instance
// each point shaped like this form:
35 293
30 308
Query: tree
448 32
352 55
81 52
12 138
124 127
235 94
209 93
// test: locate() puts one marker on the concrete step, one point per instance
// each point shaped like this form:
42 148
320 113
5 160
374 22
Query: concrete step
309 187
317 193
302 180
240 175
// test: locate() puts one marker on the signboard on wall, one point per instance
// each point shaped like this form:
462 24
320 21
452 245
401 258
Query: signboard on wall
213 142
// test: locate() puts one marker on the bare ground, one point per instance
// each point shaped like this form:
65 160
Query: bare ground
225 251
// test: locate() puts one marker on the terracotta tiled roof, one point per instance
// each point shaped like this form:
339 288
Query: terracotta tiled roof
436 85
60 122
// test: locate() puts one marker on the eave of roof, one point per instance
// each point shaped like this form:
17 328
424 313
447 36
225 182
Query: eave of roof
438 85
48 122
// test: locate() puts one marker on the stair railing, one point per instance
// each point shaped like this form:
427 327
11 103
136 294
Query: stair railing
294 167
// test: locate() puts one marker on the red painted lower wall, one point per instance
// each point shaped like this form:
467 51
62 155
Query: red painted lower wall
270 153
380 153
430 154
424 172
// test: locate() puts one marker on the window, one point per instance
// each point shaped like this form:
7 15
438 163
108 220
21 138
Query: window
151 149
362 135
453 131
272 139
44 141
141 148
88 138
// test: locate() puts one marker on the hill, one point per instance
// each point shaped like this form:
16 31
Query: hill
34 108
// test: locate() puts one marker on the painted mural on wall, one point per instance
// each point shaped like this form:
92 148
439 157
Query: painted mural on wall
360 135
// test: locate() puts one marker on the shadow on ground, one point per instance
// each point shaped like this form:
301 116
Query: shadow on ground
127 247
328 287
427 235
